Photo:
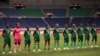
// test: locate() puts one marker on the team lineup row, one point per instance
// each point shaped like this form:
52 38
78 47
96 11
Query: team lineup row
80 30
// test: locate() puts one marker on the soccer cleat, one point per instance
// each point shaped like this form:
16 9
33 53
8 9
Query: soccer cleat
91 46
67 48
33 50
39 50
59 49
78 47
10 52
96 45
64 48
14 51
3 53
55 49
72 48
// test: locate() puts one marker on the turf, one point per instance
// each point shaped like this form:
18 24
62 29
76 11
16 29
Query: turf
51 52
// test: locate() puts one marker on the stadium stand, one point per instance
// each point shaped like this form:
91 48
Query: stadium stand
60 21
35 21
10 12
97 21
2 24
31 12
57 12
79 11
83 20
13 21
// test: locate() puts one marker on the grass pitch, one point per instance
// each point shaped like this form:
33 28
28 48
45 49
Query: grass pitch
51 52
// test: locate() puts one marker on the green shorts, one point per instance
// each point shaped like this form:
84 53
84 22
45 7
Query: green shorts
27 41
37 40
56 38
80 38
73 39
66 40
7 41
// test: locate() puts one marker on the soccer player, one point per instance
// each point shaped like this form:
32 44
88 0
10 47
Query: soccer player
17 37
6 36
47 37
27 38
94 35
73 37
87 35
80 35
56 36
36 35
66 37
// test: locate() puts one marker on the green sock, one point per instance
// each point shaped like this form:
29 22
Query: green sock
74 44
78 44
85 43
34 46
81 44
88 43
65 44
58 44
38 46
54 44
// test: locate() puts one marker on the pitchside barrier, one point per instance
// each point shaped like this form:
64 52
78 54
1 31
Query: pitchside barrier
41 30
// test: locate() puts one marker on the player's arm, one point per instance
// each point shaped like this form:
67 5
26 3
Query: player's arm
44 32
63 32
3 33
24 33
54 32
91 30
14 32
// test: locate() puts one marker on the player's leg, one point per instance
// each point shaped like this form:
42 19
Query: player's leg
19 45
88 39
96 42
55 44
29 46
79 42
25 45
4 48
85 42
48 44
15 45
45 44
34 47
58 44
9 46
64 44
74 43
92 42
38 44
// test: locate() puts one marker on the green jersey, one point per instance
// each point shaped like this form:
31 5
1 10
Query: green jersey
94 31
80 31
56 33
6 33
36 34
65 33
73 33
87 31
47 34
27 35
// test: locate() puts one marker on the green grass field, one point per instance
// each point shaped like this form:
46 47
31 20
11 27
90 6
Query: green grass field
51 52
